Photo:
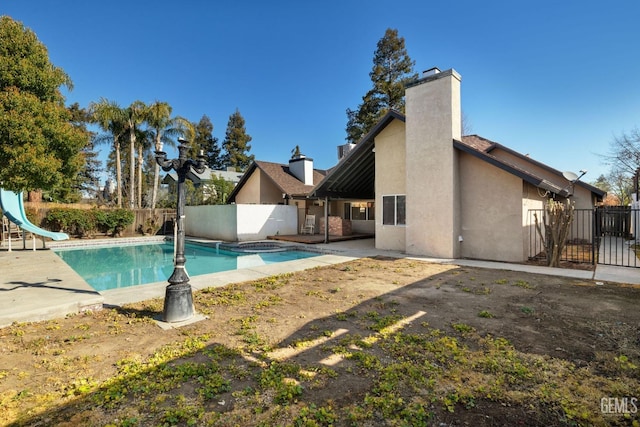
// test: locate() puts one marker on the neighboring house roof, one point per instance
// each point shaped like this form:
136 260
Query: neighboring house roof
197 178
281 177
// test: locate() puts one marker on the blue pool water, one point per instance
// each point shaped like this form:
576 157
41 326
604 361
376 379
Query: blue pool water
115 267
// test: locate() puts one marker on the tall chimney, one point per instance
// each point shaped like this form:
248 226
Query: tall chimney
301 167
433 121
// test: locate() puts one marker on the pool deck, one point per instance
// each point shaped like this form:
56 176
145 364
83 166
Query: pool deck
38 285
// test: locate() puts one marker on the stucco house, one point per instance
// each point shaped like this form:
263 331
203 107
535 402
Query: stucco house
437 193
281 184
421 187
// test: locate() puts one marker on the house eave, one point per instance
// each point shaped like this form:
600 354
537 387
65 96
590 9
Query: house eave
525 176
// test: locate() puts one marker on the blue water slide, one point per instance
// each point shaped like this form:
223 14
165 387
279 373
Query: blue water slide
13 208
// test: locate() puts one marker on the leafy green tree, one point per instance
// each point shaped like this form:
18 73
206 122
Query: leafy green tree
194 196
236 143
163 129
392 69
111 118
222 190
40 148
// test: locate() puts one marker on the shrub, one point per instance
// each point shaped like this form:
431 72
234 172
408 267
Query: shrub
77 222
151 226
113 221
81 222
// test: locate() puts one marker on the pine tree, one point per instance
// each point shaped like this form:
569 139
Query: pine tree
392 69
204 140
236 143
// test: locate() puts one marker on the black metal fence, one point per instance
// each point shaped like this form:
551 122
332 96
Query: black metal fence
614 221
604 235
615 232
580 247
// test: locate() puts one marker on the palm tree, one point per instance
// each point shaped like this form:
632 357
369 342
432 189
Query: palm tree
111 119
135 117
143 141
163 128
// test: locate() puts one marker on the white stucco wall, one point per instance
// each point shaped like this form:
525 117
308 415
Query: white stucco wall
240 222
218 222
390 179
581 196
491 214
433 121
259 221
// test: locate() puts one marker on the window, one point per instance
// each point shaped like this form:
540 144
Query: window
363 211
394 210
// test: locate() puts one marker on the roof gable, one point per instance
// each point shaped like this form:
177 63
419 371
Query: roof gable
525 168
281 177
353 176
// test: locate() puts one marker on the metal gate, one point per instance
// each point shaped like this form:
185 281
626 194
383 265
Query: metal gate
604 235
617 237
580 248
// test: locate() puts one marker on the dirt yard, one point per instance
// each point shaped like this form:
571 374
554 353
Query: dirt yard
367 343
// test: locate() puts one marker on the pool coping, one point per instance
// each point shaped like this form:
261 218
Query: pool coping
54 290
121 296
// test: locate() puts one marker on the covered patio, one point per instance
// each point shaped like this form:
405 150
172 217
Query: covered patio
318 238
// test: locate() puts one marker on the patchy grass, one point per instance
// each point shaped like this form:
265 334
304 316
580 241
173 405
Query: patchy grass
370 342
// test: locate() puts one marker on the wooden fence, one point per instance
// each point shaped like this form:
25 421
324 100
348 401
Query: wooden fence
162 218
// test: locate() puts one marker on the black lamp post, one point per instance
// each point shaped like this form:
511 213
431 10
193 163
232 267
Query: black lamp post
178 301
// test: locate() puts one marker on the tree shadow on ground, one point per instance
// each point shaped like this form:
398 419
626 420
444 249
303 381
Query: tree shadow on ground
383 352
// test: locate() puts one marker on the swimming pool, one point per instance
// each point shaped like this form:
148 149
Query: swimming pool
113 267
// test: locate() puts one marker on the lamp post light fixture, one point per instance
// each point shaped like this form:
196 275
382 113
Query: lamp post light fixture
178 300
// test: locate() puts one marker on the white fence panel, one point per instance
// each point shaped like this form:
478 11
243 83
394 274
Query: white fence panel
236 223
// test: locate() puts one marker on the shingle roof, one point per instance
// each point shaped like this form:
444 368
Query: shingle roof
483 146
232 176
478 142
281 177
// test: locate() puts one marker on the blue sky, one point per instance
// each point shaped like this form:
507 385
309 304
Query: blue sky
557 80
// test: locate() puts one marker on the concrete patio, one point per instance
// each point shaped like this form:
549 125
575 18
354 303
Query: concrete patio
38 285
